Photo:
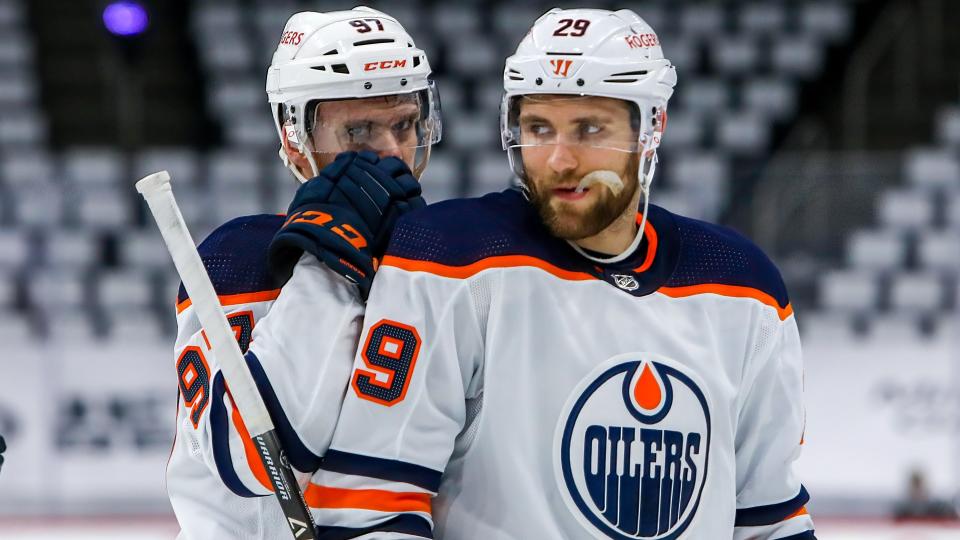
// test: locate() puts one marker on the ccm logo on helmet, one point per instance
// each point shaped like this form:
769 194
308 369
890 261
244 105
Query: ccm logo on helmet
385 64
291 38
640 41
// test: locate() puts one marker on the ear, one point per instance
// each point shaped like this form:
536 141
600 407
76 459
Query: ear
299 160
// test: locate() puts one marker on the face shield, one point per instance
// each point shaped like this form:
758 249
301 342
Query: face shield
537 123
400 125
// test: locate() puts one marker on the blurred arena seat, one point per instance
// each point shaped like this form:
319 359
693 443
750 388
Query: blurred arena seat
850 291
883 250
915 245
741 65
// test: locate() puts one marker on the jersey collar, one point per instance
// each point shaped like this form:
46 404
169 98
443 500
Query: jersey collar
652 259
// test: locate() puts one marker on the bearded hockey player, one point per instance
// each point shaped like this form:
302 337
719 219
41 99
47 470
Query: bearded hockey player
355 112
564 362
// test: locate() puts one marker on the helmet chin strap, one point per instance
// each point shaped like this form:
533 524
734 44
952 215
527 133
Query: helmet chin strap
296 170
645 178
290 166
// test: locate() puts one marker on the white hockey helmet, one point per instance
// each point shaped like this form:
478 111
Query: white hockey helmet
591 52
339 55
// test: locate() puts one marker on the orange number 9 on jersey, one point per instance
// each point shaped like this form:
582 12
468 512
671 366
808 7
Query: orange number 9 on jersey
390 352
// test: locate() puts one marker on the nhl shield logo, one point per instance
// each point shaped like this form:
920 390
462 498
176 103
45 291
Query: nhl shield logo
632 448
625 282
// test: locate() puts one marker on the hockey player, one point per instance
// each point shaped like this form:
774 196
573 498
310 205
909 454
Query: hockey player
564 362
355 112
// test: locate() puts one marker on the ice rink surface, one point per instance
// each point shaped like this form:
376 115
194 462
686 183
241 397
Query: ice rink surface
166 529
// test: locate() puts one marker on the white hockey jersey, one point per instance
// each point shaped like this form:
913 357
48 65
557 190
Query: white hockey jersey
539 394
301 341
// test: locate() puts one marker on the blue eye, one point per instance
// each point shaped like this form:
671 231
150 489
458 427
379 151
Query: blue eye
591 129
540 129
358 132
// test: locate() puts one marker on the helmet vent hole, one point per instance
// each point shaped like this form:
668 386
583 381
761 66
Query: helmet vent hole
340 68
330 52
629 73
620 80
319 68
564 54
371 42
416 61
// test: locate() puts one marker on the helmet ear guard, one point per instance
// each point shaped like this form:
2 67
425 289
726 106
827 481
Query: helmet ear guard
292 136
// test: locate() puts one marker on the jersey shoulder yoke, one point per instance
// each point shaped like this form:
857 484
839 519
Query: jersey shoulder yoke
462 232
715 255
235 256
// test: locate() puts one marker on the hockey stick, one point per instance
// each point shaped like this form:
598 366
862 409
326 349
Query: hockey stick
155 188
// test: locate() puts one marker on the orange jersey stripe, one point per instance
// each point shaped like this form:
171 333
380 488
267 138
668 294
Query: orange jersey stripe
318 496
253 457
801 512
514 261
501 261
234 299
651 235
736 291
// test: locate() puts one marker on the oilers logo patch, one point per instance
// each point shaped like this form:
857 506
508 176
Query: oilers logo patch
632 448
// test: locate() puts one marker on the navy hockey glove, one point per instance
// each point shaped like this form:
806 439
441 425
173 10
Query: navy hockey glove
3 448
345 216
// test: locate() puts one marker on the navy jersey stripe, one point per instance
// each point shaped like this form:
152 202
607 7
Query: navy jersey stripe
404 523
299 455
771 513
805 535
220 440
235 255
384 469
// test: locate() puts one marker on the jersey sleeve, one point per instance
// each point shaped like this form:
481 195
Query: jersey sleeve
770 498
418 361
299 351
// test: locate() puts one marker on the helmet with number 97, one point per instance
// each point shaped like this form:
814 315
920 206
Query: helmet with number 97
352 80
590 52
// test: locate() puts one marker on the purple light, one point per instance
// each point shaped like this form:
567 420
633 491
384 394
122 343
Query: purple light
125 18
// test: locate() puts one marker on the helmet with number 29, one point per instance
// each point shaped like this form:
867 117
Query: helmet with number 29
351 80
586 54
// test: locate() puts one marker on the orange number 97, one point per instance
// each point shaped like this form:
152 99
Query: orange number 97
193 373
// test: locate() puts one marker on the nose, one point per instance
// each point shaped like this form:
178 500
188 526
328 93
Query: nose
389 146
561 159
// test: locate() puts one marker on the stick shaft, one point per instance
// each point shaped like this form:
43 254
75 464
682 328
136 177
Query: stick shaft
157 192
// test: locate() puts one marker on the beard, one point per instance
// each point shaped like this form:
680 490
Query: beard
566 220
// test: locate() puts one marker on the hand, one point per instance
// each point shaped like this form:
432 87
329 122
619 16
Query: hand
345 216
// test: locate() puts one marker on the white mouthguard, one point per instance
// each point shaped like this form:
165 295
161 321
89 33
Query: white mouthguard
608 178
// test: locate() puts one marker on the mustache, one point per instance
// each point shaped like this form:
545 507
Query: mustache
557 180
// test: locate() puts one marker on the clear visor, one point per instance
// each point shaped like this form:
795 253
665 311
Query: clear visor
544 120
400 125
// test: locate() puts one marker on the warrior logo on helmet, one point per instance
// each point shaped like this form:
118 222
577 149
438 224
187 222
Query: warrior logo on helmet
633 447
